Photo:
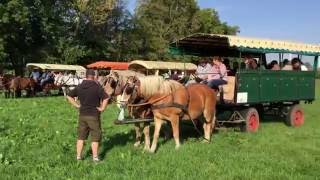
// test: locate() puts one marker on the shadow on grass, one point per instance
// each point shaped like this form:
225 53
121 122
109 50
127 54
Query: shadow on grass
119 139
272 119
187 131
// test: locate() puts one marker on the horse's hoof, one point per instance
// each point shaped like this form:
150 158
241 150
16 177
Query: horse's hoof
152 151
137 144
146 148
205 141
177 147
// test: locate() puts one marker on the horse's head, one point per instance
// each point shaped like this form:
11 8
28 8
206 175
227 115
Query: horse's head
113 85
131 91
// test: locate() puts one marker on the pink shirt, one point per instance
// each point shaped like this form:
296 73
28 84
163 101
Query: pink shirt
218 72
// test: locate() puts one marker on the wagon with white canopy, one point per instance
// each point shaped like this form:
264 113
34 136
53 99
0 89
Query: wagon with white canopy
252 93
80 70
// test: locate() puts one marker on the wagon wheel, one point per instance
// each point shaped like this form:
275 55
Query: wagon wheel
295 116
252 120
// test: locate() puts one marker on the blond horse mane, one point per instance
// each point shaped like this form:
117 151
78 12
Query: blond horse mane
151 85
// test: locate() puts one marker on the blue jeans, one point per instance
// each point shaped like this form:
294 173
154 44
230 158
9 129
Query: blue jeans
215 83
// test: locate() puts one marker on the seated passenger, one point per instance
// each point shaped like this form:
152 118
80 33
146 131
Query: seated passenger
250 63
218 75
286 65
303 67
175 76
296 64
202 70
46 77
274 65
35 75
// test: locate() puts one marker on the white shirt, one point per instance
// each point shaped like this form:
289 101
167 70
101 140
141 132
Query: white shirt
304 67
202 71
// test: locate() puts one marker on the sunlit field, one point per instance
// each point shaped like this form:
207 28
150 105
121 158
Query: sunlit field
38 135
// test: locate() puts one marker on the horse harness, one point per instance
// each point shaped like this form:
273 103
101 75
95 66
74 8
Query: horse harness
184 108
173 104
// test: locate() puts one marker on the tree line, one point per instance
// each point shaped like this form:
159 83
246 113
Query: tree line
82 31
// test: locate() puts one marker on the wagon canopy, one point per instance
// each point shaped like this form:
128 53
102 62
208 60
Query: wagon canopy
108 64
206 44
160 65
80 70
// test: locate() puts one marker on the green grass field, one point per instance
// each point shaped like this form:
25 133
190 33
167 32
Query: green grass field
37 141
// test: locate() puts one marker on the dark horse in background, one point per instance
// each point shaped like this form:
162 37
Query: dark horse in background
5 83
22 83
13 86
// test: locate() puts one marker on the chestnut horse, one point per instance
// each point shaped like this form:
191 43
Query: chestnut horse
172 101
5 82
22 83
114 85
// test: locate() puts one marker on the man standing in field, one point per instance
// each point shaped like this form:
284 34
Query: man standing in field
93 101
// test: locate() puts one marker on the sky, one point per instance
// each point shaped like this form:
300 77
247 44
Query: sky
294 20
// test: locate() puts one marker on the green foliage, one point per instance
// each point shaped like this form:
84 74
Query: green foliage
81 31
165 21
207 21
70 52
37 141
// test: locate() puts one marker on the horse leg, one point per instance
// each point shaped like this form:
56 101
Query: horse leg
175 129
157 122
64 91
138 134
146 132
166 131
209 124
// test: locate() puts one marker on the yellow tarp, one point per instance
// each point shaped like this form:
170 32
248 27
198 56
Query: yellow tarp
160 65
55 67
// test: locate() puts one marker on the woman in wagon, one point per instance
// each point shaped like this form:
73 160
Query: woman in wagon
218 75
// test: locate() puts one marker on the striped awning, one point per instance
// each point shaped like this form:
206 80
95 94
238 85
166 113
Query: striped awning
247 44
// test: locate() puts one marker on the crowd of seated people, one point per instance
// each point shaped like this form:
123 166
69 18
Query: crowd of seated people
214 71
295 65
42 77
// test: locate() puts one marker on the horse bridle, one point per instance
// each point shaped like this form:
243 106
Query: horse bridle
110 80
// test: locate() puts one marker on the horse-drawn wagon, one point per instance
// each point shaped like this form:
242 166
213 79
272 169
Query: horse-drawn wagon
80 71
251 93
252 89
56 76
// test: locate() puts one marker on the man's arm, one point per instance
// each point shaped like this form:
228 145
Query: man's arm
104 100
73 102
103 105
